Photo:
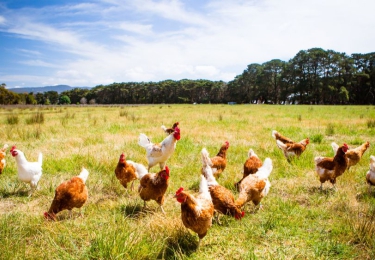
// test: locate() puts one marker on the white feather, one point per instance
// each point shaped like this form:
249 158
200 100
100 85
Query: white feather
335 147
203 189
144 141
251 153
281 145
84 174
141 170
265 170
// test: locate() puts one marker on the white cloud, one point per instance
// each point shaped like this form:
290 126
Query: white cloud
136 28
29 52
38 63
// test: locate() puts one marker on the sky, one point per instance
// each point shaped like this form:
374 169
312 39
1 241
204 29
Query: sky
89 43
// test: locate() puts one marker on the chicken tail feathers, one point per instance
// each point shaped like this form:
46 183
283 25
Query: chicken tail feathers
207 170
206 160
4 147
274 133
281 145
266 169
141 170
203 188
335 147
211 181
251 153
84 174
40 158
143 140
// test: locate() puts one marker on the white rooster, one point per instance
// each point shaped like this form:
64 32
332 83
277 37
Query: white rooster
28 172
159 153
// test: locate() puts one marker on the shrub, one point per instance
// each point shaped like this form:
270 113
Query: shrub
317 138
37 118
12 119
371 123
330 130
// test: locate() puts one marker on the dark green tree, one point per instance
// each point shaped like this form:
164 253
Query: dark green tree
64 100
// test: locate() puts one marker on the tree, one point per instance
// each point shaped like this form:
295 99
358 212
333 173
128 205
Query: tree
83 101
40 98
52 96
30 99
7 97
64 100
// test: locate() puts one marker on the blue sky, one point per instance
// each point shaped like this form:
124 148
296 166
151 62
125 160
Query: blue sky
87 43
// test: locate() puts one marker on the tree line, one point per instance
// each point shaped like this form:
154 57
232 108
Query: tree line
313 76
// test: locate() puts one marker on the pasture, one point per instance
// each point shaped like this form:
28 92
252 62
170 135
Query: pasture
298 221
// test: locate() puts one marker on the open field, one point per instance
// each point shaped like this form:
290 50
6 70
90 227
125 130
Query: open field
298 220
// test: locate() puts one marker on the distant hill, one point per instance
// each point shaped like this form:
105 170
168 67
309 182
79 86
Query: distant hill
57 88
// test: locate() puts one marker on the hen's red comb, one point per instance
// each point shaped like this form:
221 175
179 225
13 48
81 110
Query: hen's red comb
178 192
13 147
167 170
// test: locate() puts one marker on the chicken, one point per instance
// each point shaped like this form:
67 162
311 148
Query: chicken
354 155
159 153
153 187
289 147
281 138
328 168
196 212
168 131
291 150
255 186
222 198
251 166
2 158
370 176
68 195
127 171
28 172
219 162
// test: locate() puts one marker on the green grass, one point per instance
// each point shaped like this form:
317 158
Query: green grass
298 220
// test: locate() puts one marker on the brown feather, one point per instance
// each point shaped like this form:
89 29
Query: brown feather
355 155
251 189
332 167
153 187
282 138
220 160
125 173
200 220
2 165
223 201
68 195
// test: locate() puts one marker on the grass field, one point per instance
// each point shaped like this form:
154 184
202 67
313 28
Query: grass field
298 220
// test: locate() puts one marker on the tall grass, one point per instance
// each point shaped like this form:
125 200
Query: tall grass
298 221
36 118
371 123
12 119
